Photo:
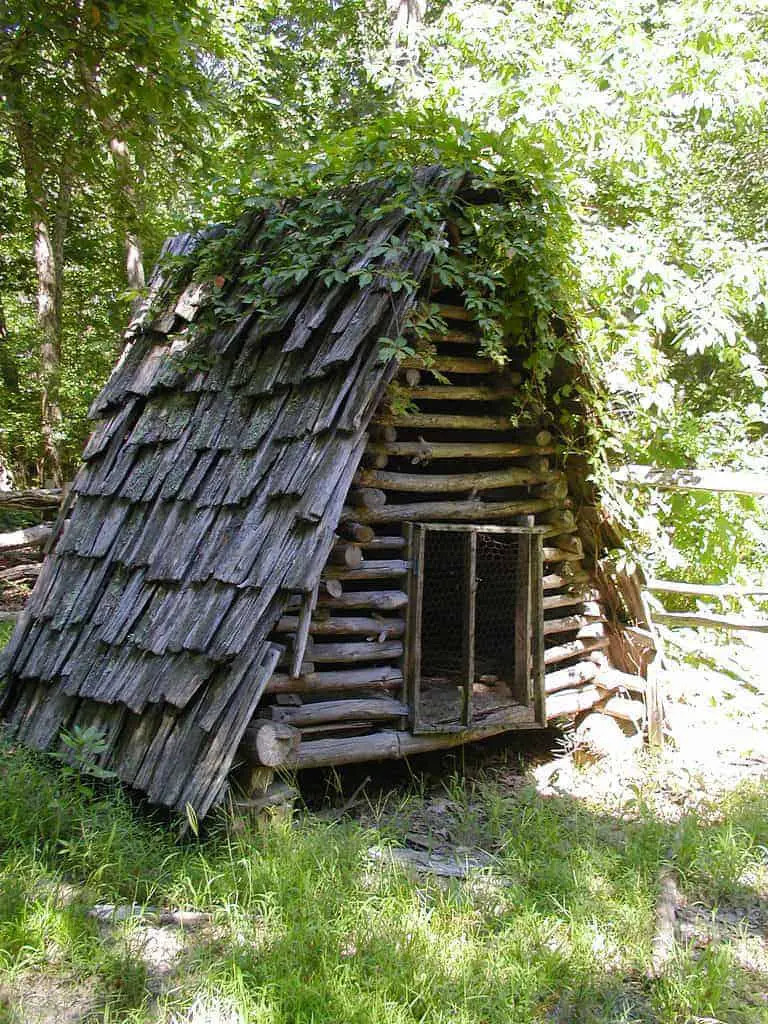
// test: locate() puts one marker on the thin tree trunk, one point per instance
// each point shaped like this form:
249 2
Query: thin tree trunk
128 209
8 372
49 290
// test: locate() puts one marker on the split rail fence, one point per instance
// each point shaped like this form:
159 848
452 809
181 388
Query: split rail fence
718 481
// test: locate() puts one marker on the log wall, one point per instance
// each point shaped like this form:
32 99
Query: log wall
446 453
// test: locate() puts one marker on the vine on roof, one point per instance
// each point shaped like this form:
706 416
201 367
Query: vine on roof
510 257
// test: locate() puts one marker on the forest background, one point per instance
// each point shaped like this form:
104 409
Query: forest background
640 126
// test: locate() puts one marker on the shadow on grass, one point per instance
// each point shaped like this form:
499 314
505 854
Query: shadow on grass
307 928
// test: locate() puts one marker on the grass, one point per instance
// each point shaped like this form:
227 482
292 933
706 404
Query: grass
307 929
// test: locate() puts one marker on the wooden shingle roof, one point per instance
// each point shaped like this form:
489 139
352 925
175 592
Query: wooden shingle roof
210 492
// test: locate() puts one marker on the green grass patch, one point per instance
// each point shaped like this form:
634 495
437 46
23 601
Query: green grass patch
306 928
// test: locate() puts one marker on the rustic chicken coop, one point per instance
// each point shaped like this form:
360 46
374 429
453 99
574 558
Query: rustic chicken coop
268 559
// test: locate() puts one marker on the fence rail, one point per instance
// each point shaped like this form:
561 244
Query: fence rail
720 481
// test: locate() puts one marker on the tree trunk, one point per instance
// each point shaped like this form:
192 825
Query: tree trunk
128 211
47 243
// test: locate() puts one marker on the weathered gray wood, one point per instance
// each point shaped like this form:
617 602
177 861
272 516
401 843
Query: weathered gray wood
554 655
426 450
357 532
710 621
612 679
558 555
704 589
468 510
377 677
371 709
723 481
467 393
371 569
33 536
554 581
572 623
557 490
348 555
346 626
20 573
392 542
35 498
388 745
567 600
270 743
563 519
567 678
9 616
424 483
569 542
571 702
344 653
448 312
302 630
469 365
373 600
367 497
449 421
626 709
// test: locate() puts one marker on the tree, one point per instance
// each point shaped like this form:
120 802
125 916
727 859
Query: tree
79 81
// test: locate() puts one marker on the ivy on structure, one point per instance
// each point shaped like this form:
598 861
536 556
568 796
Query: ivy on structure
509 256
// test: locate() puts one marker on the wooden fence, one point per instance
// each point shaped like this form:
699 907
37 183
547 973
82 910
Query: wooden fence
716 481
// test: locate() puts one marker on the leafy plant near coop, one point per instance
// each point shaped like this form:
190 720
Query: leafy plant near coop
510 257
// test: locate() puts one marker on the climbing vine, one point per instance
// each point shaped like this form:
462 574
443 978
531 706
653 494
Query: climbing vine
504 241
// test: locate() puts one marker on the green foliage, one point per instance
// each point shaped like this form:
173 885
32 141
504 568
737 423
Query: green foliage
511 257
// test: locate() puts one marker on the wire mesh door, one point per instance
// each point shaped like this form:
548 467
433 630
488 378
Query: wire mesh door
473 629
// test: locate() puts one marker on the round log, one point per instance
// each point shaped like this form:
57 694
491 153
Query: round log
346 653
371 709
450 421
574 675
373 600
376 677
349 555
353 530
412 377
459 449
333 588
571 702
372 569
569 542
458 511
553 655
467 392
514 476
270 743
346 626
33 536
367 497
469 365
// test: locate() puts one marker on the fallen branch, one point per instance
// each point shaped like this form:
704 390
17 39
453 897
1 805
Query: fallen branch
708 621
34 536
702 589
24 573
37 498
723 481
